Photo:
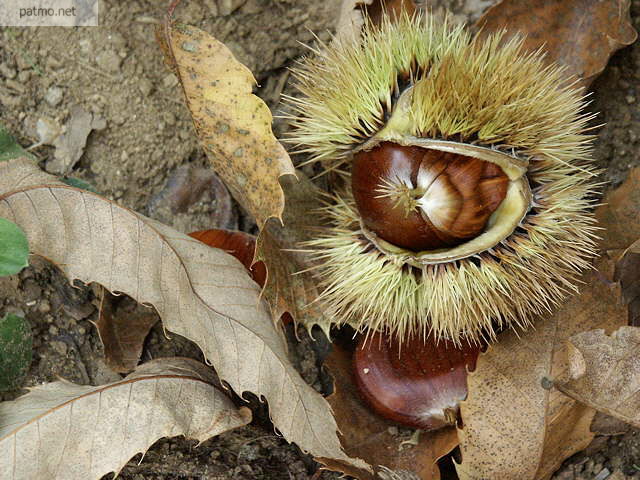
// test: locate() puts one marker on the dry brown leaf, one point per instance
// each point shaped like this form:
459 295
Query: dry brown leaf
367 435
123 326
579 34
63 430
604 372
233 125
290 286
201 293
620 214
514 426
609 426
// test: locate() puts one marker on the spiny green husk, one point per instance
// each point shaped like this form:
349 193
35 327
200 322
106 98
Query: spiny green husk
489 93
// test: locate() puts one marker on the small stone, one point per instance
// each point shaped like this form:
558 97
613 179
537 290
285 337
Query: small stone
630 99
251 6
85 46
52 63
170 80
98 122
53 96
53 330
169 118
15 85
109 61
145 86
117 40
604 473
227 7
23 63
44 307
10 100
24 76
48 130
7 72
59 347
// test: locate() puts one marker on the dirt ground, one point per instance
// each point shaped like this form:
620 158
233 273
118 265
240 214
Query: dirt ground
143 153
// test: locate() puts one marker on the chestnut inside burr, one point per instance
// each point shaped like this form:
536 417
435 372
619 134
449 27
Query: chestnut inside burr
423 199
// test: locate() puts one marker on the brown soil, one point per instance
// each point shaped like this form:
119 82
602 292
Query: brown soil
147 150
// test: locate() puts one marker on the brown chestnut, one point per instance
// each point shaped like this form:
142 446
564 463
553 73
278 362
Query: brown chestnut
419 383
423 199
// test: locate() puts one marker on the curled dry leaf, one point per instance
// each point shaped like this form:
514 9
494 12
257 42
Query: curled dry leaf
123 325
579 34
233 125
63 430
604 372
515 425
201 293
620 215
367 435
290 284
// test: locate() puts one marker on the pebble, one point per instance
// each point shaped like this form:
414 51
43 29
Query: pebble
59 347
169 80
24 76
44 307
604 473
169 118
251 6
15 85
53 63
47 129
7 72
630 99
10 100
53 96
227 7
109 61
85 46
145 86
22 62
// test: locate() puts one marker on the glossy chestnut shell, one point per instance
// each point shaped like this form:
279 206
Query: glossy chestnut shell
418 384
423 199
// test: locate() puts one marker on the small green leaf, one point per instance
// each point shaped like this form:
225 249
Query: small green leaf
9 148
16 342
81 184
14 248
